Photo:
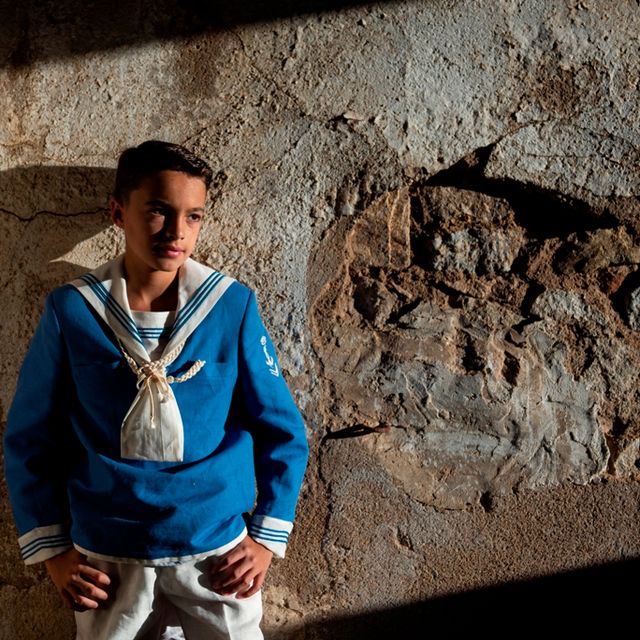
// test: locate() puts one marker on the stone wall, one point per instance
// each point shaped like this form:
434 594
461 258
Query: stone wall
437 202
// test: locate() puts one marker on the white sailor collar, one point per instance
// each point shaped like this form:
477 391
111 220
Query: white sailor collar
152 428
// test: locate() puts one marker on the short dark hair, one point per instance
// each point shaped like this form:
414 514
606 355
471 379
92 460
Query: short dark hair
137 163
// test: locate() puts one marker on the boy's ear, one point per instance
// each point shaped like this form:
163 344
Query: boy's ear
116 212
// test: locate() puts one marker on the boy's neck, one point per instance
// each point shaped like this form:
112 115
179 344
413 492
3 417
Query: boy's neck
153 290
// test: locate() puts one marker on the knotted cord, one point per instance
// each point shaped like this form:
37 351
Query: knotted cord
155 371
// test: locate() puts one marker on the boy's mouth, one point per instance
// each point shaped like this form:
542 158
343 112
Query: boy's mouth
169 251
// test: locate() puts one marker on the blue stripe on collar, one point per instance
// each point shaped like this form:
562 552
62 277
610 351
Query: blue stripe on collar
196 300
110 303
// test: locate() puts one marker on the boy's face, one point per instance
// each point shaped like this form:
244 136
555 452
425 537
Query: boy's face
161 221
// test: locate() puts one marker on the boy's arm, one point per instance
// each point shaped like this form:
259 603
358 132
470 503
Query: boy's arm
37 444
280 442
80 585
242 570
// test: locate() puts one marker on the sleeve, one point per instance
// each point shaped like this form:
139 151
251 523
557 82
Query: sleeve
280 443
37 443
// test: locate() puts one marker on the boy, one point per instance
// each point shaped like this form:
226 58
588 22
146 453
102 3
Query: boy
150 410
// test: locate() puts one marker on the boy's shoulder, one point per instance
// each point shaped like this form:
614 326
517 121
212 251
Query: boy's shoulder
236 290
64 295
238 302
240 290
67 305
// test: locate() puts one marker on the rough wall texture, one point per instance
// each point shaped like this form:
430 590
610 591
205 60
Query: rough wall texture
438 204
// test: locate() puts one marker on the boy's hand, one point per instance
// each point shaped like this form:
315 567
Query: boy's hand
81 586
242 570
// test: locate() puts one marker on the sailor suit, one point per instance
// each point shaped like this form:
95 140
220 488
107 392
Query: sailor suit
138 462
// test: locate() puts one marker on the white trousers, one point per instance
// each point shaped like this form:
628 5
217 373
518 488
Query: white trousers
167 603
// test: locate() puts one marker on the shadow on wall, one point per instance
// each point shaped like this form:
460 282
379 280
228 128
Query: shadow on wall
46 213
58 190
35 30
587 601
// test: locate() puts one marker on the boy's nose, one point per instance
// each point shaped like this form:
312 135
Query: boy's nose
174 227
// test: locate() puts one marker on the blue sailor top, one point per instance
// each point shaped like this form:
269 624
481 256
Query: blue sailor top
244 451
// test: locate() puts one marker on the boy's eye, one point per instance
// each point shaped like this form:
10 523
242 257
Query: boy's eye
195 217
157 212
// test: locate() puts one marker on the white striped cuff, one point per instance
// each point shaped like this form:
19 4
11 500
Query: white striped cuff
43 543
271 533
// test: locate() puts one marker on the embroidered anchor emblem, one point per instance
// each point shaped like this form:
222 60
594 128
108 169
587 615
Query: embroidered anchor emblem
271 363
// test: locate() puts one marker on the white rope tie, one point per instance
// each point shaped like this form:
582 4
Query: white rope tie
156 371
